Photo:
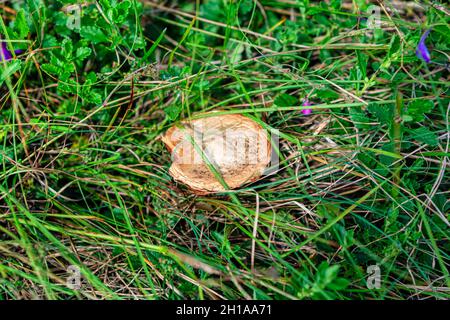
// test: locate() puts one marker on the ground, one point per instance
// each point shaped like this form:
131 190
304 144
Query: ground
357 209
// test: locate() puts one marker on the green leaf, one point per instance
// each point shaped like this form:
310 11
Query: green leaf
51 68
11 67
417 108
69 86
105 4
394 46
327 94
336 4
91 78
285 100
67 49
330 274
83 53
362 63
172 112
312 10
386 158
91 96
407 118
116 12
425 135
339 284
383 112
359 118
93 34
21 24
245 6
122 11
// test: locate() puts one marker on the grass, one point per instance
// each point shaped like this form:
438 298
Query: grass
362 181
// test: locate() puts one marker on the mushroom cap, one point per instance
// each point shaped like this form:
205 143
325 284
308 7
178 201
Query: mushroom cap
238 148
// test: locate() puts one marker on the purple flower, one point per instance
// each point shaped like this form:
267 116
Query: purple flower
5 54
422 50
306 103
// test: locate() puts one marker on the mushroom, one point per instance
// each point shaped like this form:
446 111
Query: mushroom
218 152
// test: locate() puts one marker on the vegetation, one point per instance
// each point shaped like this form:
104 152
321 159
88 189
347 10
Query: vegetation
362 184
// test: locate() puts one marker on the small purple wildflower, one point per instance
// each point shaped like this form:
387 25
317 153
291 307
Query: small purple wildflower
422 50
306 103
5 54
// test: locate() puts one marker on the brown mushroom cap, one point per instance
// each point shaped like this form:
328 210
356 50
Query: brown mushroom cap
238 147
